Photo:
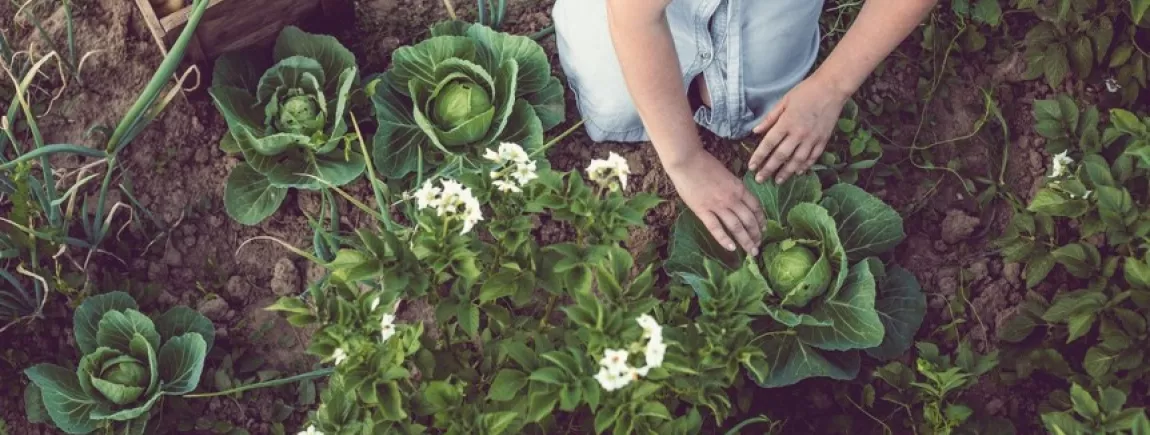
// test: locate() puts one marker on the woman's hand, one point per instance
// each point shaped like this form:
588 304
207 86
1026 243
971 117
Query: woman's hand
719 199
797 130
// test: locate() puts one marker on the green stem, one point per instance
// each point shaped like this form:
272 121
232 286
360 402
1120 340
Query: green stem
547 311
48 150
556 140
543 33
316 374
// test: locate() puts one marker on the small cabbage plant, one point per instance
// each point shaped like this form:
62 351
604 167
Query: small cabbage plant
129 362
286 117
460 92
826 296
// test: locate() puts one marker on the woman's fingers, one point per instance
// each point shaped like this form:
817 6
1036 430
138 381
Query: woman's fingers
797 163
715 227
780 156
736 227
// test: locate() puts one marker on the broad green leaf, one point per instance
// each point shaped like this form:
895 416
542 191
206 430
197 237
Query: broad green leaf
506 385
691 245
1038 268
1050 202
241 69
1068 304
1063 423
987 12
1111 400
439 396
418 62
789 361
1078 325
533 78
1078 259
778 200
398 140
87 317
67 404
548 375
1137 272
855 321
1082 57
181 362
1127 122
1055 65
501 284
117 329
1017 327
901 306
497 423
118 394
1138 9
1084 403
326 50
180 320
469 319
249 197
391 402
867 225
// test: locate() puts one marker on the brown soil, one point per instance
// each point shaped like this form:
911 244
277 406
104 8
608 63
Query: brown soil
177 173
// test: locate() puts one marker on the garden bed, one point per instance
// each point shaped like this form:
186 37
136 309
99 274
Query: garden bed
196 255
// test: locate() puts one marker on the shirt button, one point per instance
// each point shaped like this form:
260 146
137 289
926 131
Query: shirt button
706 56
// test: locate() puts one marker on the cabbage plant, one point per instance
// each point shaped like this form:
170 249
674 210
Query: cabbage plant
129 362
826 296
286 117
460 92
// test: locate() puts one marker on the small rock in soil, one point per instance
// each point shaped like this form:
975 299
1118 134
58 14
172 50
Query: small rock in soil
237 288
157 271
215 309
285 278
173 257
1012 273
978 271
958 226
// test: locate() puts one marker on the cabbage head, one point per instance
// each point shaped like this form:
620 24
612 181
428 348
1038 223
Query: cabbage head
286 115
129 362
459 92
827 298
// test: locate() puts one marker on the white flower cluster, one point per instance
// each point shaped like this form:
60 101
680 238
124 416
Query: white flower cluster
311 430
386 321
611 173
516 168
339 355
614 370
1060 165
452 200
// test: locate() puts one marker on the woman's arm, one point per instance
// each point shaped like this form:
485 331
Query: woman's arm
798 128
646 52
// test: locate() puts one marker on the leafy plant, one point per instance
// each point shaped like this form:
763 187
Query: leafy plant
824 295
1089 222
1103 413
286 117
930 391
458 93
861 151
1085 38
129 362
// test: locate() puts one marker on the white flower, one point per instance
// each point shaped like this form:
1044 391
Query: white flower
375 303
311 431
1112 85
654 353
511 152
614 358
525 172
339 355
606 173
427 196
472 214
492 155
387 327
506 186
650 326
610 381
1060 165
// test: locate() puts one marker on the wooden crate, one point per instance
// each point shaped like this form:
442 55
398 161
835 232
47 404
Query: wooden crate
235 24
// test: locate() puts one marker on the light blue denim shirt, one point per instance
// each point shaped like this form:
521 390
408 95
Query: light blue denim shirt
750 53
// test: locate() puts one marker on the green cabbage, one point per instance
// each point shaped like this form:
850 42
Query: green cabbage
286 116
462 91
825 297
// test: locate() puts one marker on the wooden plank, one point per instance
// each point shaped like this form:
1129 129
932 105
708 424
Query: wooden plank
153 23
235 24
